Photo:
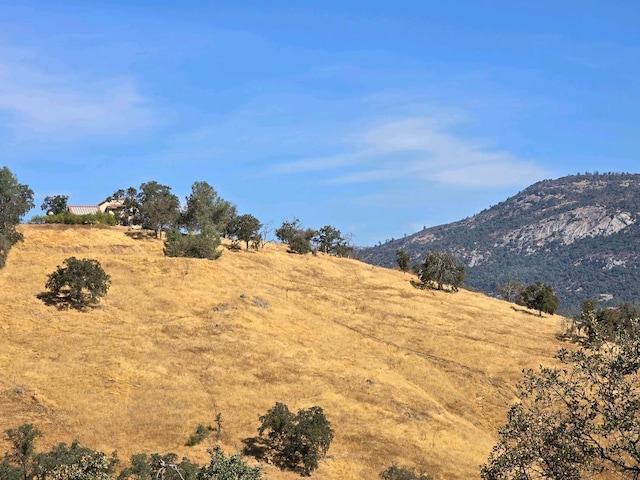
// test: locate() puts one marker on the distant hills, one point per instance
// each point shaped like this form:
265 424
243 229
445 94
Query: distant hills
580 233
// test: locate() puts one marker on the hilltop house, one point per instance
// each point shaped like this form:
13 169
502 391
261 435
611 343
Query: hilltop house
106 206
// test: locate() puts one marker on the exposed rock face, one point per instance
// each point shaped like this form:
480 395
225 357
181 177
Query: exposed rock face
580 233
567 227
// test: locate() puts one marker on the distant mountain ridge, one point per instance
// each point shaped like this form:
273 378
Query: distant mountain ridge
580 233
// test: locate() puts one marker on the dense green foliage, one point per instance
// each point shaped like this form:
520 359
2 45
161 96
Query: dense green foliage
233 467
395 472
402 259
244 227
606 324
539 296
575 420
72 219
440 269
588 267
54 205
23 462
205 209
288 230
296 441
159 208
16 200
78 284
75 462
302 240
205 244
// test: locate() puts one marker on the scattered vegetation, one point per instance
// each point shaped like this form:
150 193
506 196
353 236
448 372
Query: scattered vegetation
302 240
575 420
605 324
79 284
75 462
199 436
495 247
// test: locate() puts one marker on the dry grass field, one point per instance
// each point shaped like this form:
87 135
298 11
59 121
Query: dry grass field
421 378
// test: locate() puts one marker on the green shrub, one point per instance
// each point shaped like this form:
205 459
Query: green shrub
202 245
71 219
394 472
222 467
202 432
296 441
300 245
79 284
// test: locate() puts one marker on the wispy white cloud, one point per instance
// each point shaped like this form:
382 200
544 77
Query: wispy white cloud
420 148
38 102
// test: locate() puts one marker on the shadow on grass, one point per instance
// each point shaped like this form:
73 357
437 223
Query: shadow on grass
426 286
255 447
526 311
63 302
141 234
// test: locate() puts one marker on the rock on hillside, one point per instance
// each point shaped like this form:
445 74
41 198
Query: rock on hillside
580 233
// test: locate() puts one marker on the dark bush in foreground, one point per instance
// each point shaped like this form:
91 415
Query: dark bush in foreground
395 472
233 467
78 284
296 441
576 420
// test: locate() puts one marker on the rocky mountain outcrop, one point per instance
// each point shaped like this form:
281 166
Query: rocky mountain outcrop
580 233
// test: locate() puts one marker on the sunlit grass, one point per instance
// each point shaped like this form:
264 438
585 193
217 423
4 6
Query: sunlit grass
421 378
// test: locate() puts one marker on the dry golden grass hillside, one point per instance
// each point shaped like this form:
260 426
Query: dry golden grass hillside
421 378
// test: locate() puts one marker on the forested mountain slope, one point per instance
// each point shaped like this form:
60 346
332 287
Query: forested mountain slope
418 377
580 233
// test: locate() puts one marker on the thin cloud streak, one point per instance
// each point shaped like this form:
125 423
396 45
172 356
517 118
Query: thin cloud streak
419 148
37 103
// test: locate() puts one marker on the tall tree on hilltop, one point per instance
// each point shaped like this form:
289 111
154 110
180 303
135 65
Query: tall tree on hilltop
55 204
205 208
328 239
159 208
16 200
244 227
130 214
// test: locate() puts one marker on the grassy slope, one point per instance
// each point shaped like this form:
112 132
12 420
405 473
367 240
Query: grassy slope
422 378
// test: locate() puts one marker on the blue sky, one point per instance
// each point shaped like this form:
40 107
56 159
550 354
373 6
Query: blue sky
376 117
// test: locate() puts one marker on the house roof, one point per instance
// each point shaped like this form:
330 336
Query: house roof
83 209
